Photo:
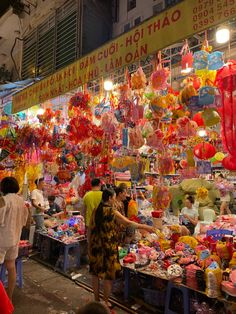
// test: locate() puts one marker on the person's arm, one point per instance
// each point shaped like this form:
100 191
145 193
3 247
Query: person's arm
2 211
42 209
84 208
194 220
58 211
122 220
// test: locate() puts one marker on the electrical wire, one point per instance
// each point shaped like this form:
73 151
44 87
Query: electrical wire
13 60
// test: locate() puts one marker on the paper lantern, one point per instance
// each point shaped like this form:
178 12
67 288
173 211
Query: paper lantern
204 151
210 117
229 163
219 156
198 119
226 78
183 163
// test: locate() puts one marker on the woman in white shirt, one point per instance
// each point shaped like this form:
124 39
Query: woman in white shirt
189 214
13 216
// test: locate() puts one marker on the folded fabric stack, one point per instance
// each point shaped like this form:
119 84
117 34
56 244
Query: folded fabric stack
122 176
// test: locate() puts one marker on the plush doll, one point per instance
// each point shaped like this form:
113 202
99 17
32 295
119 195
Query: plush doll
213 280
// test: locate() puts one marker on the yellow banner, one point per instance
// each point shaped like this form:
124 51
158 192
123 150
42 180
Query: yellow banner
179 22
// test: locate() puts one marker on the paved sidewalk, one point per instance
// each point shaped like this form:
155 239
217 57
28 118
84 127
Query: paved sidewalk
47 292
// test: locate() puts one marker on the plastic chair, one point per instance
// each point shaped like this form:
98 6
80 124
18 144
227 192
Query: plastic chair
19 273
171 290
218 234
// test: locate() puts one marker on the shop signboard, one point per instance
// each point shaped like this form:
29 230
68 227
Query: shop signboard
177 23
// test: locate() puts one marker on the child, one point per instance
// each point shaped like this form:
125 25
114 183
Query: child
54 210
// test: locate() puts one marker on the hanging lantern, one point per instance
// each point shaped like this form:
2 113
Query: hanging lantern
183 163
210 117
226 78
187 59
204 151
219 156
198 119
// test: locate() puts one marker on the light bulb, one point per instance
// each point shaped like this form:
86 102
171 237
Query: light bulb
108 85
40 111
222 35
202 133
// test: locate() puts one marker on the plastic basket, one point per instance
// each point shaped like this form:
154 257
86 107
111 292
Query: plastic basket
24 249
154 297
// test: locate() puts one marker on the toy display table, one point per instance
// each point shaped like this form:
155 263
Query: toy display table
172 287
46 244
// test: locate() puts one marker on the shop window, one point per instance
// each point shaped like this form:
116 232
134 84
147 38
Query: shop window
126 27
169 3
131 4
157 8
137 21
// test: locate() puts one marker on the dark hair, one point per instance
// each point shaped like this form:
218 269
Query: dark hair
121 188
106 194
190 198
51 198
37 181
221 176
93 308
9 185
95 182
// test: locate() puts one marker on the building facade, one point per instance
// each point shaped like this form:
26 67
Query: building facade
130 13
39 38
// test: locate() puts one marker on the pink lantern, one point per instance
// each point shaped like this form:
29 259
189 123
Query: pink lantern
226 82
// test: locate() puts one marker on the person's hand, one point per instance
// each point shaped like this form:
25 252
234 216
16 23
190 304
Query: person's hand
42 209
186 216
150 229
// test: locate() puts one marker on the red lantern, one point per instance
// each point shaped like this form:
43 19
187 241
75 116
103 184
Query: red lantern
226 82
196 82
204 151
198 119
229 163
183 163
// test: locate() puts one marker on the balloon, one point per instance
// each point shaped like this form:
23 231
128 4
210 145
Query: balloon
198 119
219 156
210 117
204 151
229 163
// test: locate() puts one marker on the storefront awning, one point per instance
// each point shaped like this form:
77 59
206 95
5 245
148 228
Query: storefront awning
180 22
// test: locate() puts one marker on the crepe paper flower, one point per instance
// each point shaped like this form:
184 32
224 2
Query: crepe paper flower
138 79
201 193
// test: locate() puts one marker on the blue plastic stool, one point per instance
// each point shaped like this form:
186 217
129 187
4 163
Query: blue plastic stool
64 251
19 273
171 287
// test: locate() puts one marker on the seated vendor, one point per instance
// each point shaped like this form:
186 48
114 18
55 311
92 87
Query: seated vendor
54 210
189 214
